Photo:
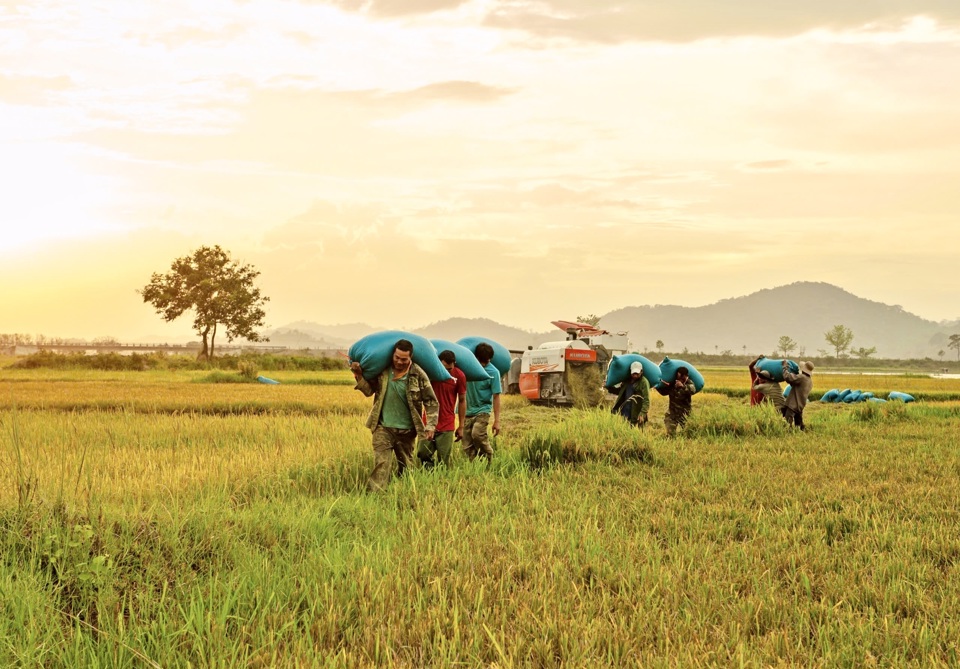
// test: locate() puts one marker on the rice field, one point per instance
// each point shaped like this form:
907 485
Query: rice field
156 520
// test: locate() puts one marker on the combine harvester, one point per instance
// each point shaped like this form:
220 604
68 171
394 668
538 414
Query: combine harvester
556 371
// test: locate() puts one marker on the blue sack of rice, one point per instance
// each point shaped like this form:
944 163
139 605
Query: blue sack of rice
843 394
668 372
903 397
375 353
619 370
852 396
501 356
775 367
830 396
466 361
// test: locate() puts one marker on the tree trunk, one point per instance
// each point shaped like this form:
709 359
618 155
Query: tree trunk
213 336
205 351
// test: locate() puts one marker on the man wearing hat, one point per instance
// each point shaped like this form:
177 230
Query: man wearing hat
800 386
633 400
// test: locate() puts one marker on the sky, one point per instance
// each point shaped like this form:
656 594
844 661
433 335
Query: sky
401 162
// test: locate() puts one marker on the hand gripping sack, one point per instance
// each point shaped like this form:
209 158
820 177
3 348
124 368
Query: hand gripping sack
375 353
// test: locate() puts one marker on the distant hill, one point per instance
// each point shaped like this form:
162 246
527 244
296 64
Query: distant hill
751 325
316 335
513 338
804 311
304 334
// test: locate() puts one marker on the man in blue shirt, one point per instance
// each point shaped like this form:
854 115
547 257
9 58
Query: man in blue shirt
483 397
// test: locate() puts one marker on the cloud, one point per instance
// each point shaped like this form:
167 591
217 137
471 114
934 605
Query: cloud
328 227
393 8
33 91
309 131
185 34
615 21
455 91
768 165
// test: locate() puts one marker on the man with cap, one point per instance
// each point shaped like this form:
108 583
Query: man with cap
633 400
766 386
800 386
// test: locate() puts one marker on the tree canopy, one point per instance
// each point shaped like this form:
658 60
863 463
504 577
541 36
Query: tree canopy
839 337
786 345
219 290
955 344
591 319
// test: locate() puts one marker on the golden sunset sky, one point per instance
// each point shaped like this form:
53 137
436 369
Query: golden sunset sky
400 162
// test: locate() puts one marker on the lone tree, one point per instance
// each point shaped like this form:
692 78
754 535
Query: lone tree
955 344
785 345
839 337
219 290
864 353
591 319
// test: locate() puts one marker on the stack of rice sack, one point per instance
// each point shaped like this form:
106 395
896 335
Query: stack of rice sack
848 396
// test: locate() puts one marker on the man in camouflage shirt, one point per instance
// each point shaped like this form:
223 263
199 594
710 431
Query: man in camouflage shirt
680 392
402 394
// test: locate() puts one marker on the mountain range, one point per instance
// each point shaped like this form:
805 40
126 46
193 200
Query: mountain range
752 324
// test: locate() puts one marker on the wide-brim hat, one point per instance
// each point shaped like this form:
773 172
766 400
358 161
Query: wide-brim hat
807 367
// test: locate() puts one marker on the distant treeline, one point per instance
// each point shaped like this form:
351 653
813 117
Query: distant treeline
272 361
146 361
822 364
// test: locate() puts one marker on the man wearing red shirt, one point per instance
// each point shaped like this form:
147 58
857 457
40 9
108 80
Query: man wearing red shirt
452 397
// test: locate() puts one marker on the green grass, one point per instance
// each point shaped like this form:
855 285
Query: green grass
136 536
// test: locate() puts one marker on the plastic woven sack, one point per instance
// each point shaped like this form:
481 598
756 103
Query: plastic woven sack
668 372
775 367
619 369
501 356
830 396
375 353
466 360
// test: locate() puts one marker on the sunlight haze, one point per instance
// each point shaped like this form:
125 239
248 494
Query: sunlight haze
401 162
